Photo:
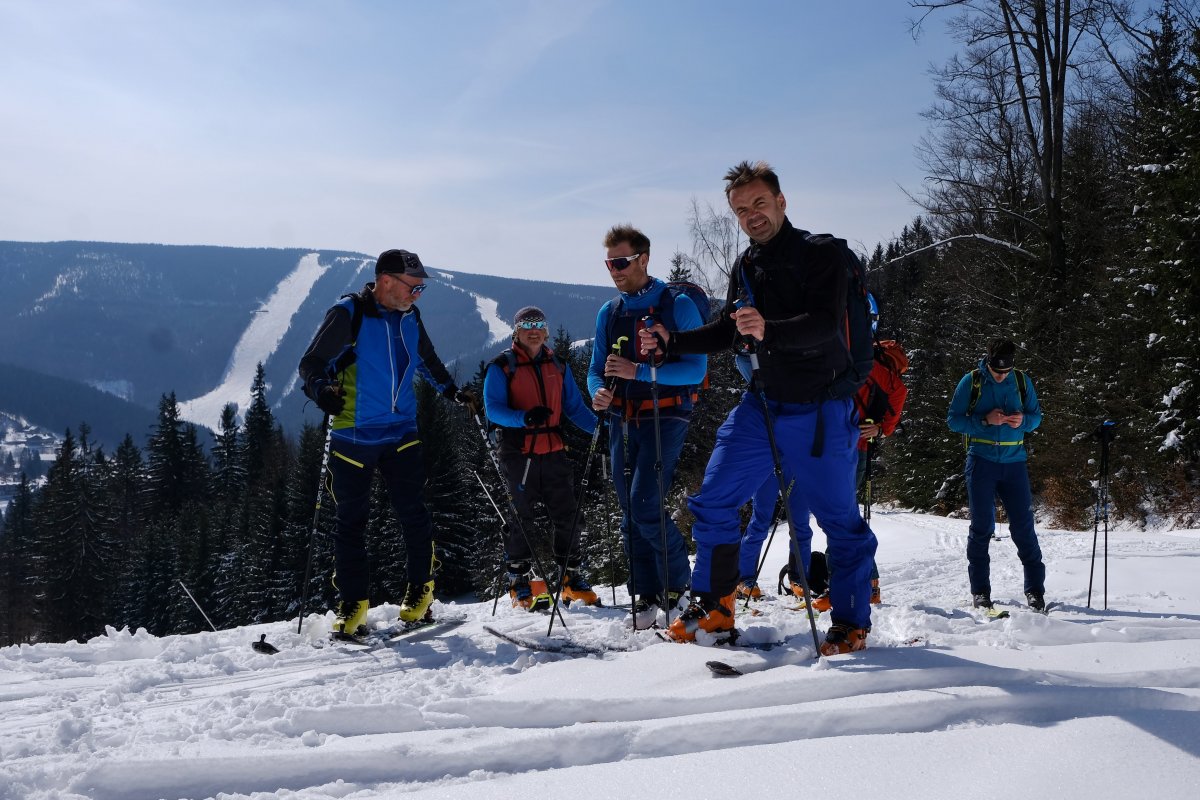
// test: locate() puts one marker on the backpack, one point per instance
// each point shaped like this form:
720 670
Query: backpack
893 358
507 362
689 290
858 336
977 390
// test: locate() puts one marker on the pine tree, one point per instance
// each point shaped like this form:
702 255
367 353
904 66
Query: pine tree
264 462
124 487
1165 154
18 576
76 560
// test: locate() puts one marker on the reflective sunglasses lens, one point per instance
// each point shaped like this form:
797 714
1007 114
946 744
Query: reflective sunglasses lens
618 263
528 326
420 287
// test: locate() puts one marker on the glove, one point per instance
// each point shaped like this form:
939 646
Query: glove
464 398
537 416
329 398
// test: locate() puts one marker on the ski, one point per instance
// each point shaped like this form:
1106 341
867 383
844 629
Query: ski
550 644
732 641
411 631
990 614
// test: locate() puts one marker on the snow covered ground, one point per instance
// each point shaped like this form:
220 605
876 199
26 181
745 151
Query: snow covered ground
1078 704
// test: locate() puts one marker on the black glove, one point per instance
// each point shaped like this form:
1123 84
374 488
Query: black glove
329 398
537 416
464 398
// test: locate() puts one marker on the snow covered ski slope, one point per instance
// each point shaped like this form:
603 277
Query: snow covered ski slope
1077 704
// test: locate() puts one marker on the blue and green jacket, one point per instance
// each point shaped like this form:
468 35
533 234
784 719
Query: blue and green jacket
375 366
998 443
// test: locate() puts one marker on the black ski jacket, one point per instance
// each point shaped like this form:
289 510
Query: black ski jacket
799 286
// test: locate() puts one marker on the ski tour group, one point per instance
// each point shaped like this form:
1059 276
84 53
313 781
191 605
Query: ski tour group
821 391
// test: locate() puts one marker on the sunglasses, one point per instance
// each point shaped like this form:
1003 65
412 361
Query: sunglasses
621 263
412 289
529 325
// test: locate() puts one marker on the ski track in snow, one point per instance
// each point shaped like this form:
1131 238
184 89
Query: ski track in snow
1080 703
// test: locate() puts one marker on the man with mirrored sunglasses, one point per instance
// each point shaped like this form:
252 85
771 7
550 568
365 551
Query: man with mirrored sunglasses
993 407
528 391
359 370
619 381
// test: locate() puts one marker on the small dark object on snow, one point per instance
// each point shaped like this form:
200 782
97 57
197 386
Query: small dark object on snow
264 647
721 669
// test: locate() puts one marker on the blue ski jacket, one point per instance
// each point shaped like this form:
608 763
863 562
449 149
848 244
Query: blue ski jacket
376 366
678 377
998 443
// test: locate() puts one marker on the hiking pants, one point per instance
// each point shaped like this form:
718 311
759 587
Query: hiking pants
759 527
351 467
1010 482
639 501
741 461
549 480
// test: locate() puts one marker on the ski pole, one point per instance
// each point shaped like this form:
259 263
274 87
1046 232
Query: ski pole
787 510
867 475
503 532
658 469
612 562
627 482
1104 432
327 423
583 483
762 559
512 508
198 608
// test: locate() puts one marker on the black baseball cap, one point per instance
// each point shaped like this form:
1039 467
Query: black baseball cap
400 262
1001 354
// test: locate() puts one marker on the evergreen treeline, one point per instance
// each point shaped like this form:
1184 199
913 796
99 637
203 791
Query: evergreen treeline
1064 216
1063 213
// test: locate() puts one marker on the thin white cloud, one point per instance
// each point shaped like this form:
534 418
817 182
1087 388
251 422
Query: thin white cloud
534 27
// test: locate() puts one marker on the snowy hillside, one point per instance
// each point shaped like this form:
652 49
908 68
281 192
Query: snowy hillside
141 321
1078 704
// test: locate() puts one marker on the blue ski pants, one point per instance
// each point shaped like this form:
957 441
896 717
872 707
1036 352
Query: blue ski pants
741 461
631 443
1009 481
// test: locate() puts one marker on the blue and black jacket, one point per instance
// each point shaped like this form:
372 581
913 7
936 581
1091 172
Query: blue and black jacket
798 284
678 377
375 366
999 443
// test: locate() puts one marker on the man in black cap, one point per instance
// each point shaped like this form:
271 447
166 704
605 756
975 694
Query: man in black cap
993 412
527 391
359 370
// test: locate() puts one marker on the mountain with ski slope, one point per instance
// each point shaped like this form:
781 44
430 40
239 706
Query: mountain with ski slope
136 321
1083 703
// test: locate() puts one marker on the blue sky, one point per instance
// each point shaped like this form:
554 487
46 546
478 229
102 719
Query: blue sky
494 136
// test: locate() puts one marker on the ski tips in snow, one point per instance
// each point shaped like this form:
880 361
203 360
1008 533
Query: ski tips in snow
264 647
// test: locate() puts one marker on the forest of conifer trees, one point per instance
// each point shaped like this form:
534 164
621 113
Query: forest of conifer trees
1062 210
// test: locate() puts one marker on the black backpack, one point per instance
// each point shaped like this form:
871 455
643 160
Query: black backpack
689 290
858 337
